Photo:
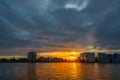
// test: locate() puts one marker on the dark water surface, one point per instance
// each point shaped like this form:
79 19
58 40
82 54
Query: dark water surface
59 71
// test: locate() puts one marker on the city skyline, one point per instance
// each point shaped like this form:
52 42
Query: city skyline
54 26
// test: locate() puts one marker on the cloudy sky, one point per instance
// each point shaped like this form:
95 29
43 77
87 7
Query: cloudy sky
58 25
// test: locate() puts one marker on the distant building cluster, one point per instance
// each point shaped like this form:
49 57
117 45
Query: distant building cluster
100 57
86 57
48 59
32 57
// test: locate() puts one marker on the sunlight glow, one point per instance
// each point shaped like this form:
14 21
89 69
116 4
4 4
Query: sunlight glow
72 58
66 55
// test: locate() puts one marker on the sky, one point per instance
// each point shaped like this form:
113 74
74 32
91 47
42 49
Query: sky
48 26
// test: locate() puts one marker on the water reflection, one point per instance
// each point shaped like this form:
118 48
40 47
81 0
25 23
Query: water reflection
59 71
107 71
74 71
31 69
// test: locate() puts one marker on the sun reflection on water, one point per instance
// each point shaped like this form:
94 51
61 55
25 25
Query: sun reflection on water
59 71
74 71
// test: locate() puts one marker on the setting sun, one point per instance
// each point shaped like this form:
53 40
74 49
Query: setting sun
72 58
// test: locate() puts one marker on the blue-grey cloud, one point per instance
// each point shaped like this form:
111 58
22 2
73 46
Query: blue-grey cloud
58 25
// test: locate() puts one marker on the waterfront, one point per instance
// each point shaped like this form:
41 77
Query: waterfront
59 71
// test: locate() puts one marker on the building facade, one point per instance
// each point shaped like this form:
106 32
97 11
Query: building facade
103 58
87 57
32 56
116 58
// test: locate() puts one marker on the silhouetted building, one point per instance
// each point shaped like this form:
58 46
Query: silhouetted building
116 58
32 56
87 57
103 58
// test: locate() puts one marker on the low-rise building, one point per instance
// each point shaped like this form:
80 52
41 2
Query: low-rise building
87 57
116 58
103 58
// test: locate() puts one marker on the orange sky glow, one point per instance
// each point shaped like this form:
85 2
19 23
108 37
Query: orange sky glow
65 55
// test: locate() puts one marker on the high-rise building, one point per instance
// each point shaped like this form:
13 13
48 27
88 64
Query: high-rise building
32 56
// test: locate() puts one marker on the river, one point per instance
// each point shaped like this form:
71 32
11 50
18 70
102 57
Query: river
59 71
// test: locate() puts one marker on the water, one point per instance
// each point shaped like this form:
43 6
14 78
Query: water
59 71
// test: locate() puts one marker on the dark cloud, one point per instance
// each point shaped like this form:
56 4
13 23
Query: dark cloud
56 25
108 35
